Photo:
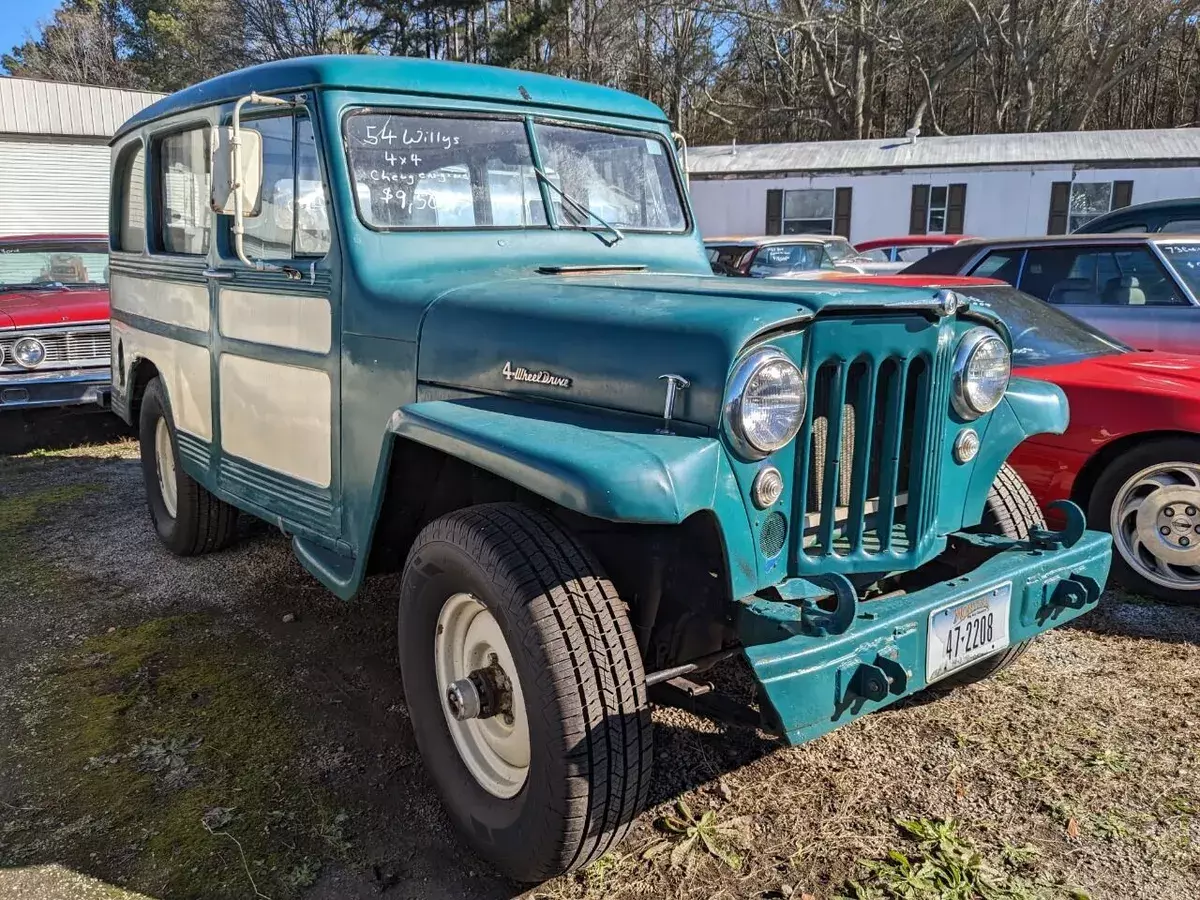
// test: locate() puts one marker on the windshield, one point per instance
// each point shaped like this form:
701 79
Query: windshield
53 264
625 179
1185 260
1041 335
839 250
428 171
780 259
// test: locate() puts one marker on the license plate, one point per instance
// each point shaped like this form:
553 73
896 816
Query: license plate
967 631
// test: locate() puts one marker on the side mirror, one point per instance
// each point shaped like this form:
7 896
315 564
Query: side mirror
247 182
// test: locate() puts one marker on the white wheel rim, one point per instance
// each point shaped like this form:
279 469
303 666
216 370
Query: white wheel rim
495 749
1155 521
165 460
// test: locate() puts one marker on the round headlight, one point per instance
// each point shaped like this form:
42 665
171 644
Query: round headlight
982 365
766 402
29 352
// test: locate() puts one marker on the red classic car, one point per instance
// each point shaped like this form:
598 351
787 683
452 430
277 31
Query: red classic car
1131 454
909 248
54 332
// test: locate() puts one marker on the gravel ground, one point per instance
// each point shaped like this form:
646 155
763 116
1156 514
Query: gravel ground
222 727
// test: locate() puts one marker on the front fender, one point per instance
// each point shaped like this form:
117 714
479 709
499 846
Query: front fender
591 463
1029 407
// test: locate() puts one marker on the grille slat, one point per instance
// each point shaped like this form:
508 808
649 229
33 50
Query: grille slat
867 435
864 396
90 346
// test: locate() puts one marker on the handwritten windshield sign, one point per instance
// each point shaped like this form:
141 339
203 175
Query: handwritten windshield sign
414 171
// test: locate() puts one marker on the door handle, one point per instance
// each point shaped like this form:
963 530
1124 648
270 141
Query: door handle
218 274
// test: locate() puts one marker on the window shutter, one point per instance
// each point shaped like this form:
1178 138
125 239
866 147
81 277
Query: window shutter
1060 202
774 212
1122 194
918 216
841 212
956 208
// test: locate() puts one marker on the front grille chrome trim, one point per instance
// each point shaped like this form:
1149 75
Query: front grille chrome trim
67 347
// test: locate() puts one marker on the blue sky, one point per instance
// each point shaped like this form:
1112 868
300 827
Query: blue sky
19 16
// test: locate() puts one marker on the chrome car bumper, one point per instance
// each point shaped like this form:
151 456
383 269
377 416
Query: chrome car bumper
70 387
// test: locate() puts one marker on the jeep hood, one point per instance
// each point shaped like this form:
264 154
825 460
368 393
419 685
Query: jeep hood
605 340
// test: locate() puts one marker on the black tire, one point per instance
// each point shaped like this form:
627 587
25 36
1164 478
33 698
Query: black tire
580 672
1104 494
202 523
1010 511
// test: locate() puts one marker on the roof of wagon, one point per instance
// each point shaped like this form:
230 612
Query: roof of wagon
413 76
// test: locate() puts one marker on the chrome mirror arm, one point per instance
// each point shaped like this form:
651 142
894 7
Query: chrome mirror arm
235 145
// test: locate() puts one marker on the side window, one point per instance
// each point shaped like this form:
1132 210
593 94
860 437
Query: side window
312 215
131 231
911 254
1063 276
1002 264
184 192
1139 280
269 233
292 219
1181 226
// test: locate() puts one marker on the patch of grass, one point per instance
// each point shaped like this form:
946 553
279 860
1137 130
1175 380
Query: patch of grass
945 865
170 737
20 569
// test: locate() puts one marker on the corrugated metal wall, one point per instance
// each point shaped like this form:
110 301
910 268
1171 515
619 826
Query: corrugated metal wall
53 186
56 108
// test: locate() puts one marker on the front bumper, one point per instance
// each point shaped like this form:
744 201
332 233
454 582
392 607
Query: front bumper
818 673
69 387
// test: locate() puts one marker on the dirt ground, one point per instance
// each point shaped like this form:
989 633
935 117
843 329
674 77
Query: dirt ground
222 727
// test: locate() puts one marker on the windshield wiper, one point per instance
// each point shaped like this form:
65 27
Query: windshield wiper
617 234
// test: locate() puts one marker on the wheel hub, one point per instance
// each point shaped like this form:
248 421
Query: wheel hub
481 695
1156 524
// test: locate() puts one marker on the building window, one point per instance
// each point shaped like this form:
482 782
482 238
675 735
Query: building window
811 211
131 231
1073 204
1089 201
808 212
184 192
937 209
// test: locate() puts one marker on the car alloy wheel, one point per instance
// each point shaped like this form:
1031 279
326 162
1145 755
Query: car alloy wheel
481 696
1155 520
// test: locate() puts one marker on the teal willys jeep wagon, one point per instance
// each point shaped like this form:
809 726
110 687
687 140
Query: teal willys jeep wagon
458 321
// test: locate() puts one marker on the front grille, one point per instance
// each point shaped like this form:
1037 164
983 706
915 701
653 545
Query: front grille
66 348
867 461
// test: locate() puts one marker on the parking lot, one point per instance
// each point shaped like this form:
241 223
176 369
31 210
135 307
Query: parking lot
222 727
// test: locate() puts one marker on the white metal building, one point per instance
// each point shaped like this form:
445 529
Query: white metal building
54 157
986 185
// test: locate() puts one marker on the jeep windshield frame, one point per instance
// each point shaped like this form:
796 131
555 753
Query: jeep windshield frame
539 207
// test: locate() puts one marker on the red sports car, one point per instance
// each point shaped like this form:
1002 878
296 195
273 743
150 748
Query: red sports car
54 332
909 248
1131 454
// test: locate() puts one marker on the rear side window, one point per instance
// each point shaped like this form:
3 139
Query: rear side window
131 230
1098 276
184 192
1002 264
1182 226
292 219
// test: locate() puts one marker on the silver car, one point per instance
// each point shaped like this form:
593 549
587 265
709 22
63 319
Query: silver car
1143 289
